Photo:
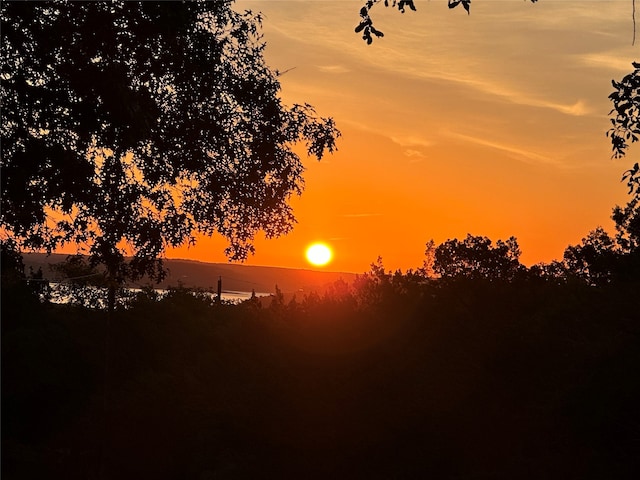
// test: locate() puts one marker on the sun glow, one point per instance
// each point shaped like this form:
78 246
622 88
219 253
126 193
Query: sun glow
319 254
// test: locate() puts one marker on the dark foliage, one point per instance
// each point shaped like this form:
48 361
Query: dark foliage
627 222
463 379
476 257
128 127
625 123
601 259
594 259
626 108
490 371
21 292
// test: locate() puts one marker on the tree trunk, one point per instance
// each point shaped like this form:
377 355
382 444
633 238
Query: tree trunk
111 306
111 298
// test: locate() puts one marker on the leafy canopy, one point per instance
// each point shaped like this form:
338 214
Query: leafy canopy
477 257
625 123
129 127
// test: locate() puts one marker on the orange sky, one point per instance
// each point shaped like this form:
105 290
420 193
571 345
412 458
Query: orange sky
491 124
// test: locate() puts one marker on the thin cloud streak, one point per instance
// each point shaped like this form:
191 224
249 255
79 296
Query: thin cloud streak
520 154
440 60
411 141
607 60
333 68
488 86
414 156
361 215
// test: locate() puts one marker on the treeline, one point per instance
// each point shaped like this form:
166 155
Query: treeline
468 381
599 259
471 366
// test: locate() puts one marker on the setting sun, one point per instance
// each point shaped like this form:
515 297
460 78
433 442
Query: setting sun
319 254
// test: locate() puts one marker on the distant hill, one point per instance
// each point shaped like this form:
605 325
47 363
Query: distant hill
235 277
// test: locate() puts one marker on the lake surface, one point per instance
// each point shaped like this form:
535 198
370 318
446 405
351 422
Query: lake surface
59 293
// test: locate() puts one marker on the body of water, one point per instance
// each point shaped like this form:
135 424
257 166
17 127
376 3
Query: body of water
96 296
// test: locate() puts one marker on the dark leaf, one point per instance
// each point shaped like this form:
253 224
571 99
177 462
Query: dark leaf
377 33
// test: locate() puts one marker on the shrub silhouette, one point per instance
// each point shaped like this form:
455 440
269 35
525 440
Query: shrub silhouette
398 375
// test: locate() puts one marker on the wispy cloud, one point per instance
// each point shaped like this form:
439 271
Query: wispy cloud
518 153
412 141
411 145
474 61
333 68
414 155
361 215
577 109
502 89
609 61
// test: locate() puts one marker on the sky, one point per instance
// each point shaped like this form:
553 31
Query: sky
491 124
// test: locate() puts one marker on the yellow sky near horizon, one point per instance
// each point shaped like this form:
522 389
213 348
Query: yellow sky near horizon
491 124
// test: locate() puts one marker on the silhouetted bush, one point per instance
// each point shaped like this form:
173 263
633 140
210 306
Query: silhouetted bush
396 376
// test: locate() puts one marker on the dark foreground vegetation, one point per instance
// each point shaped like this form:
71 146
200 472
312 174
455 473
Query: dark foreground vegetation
397 376
472 367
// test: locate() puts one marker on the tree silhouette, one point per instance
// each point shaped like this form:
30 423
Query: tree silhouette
625 121
627 221
476 258
593 260
600 259
130 127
